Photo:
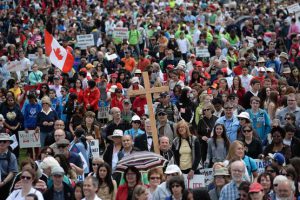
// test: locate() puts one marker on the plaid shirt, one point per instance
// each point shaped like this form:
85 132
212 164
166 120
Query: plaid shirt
229 192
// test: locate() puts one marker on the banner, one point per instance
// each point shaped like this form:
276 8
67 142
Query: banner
251 41
84 41
121 33
197 181
202 52
30 139
261 164
95 148
15 142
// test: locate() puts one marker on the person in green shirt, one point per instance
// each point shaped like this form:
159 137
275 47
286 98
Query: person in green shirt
133 39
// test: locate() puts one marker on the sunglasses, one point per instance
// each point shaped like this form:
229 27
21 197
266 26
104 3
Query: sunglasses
3 141
247 130
176 185
136 121
25 177
96 164
205 110
161 114
44 87
287 118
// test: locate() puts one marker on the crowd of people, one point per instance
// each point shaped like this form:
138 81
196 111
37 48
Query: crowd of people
232 68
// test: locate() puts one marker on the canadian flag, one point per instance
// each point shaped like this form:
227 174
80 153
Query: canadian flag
57 54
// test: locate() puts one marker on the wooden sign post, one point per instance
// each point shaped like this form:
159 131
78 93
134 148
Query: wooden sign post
148 92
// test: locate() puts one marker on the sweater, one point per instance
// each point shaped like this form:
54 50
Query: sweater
216 153
42 117
30 115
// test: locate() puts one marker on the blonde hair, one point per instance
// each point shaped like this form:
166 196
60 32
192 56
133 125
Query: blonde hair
138 190
183 123
232 148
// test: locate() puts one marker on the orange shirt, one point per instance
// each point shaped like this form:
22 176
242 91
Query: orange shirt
129 63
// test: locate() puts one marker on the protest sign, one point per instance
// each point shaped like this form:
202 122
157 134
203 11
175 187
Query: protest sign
84 41
111 56
202 52
30 139
95 148
15 142
196 182
14 66
293 8
208 174
251 41
261 164
120 33
103 112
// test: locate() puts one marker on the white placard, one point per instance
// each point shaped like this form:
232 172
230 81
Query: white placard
261 164
251 41
121 33
208 174
103 112
95 148
14 66
15 142
202 52
30 139
84 41
111 57
293 8
198 181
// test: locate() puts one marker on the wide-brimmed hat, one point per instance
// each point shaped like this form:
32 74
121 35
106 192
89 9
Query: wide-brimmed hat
261 60
221 172
171 169
286 70
284 55
116 133
5 137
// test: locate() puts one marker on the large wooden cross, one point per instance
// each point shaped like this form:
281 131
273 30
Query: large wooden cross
148 92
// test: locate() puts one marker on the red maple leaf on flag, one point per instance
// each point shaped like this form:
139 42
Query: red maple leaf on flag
57 53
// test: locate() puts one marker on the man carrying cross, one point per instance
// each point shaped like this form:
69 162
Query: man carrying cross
148 92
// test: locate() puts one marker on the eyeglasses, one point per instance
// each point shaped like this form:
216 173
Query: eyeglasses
161 114
176 185
25 177
287 118
205 110
248 130
154 177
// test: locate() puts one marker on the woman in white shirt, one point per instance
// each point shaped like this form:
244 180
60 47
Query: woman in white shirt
28 177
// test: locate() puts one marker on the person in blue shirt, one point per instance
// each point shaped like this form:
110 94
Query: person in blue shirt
261 121
230 122
30 112
135 130
62 102
55 104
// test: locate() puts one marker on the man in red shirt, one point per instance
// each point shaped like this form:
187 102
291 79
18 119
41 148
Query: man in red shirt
143 62
129 61
238 69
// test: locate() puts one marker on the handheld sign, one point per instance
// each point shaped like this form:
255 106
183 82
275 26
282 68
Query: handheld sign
30 139
196 182
202 52
95 148
121 33
84 41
